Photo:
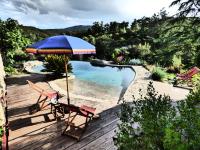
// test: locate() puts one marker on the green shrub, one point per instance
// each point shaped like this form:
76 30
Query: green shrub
56 64
151 113
183 131
161 125
196 79
1 134
10 70
21 57
158 74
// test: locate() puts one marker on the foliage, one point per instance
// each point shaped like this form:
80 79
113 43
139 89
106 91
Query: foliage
11 40
119 55
158 74
143 122
10 70
56 64
154 122
187 7
196 79
1 134
183 132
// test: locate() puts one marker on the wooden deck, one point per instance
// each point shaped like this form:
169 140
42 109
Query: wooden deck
42 131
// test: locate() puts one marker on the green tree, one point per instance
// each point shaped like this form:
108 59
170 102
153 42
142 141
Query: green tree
154 122
187 7
11 39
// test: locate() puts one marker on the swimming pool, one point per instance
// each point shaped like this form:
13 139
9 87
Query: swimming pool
107 83
111 76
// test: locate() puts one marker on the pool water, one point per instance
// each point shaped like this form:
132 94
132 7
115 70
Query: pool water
110 76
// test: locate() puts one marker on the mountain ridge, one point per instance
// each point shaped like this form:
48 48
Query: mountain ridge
51 32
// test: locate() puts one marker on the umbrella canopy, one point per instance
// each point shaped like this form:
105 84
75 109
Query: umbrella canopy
62 44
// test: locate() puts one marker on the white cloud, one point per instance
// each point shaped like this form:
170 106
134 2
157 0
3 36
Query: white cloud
140 8
65 13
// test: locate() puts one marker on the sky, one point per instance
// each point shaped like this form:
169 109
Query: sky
65 13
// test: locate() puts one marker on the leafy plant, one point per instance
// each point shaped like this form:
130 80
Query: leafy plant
56 64
143 122
12 39
183 131
10 70
1 134
154 122
120 55
158 74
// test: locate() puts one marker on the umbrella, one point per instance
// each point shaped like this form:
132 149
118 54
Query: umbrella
62 44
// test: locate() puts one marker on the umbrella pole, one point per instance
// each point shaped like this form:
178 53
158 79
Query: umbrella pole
68 100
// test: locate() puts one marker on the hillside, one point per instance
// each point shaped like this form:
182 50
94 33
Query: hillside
79 28
50 32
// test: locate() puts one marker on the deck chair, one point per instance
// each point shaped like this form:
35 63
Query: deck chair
77 120
187 76
45 98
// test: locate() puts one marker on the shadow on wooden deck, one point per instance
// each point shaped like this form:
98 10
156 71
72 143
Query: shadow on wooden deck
34 77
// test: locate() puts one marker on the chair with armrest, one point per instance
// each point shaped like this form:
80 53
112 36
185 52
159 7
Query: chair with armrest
45 98
187 76
77 120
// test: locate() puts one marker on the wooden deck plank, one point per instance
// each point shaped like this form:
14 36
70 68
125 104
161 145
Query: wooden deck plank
36 136
93 127
85 141
102 142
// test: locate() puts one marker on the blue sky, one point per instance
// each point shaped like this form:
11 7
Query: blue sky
66 13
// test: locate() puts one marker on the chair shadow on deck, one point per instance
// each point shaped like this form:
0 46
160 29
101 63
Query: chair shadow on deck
22 80
21 111
24 122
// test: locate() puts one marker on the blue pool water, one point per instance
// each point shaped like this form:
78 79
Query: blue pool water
111 76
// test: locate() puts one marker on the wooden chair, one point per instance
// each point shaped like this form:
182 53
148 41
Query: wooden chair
45 98
77 120
187 76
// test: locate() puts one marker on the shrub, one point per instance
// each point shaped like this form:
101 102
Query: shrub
183 131
56 64
158 74
1 134
153 122
10 70
196 79
135 62
21 56
143 122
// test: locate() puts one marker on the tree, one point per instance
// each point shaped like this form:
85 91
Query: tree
154 122
187 7
11 39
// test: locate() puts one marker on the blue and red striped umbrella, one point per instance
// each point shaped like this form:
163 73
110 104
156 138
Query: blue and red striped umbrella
61 44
